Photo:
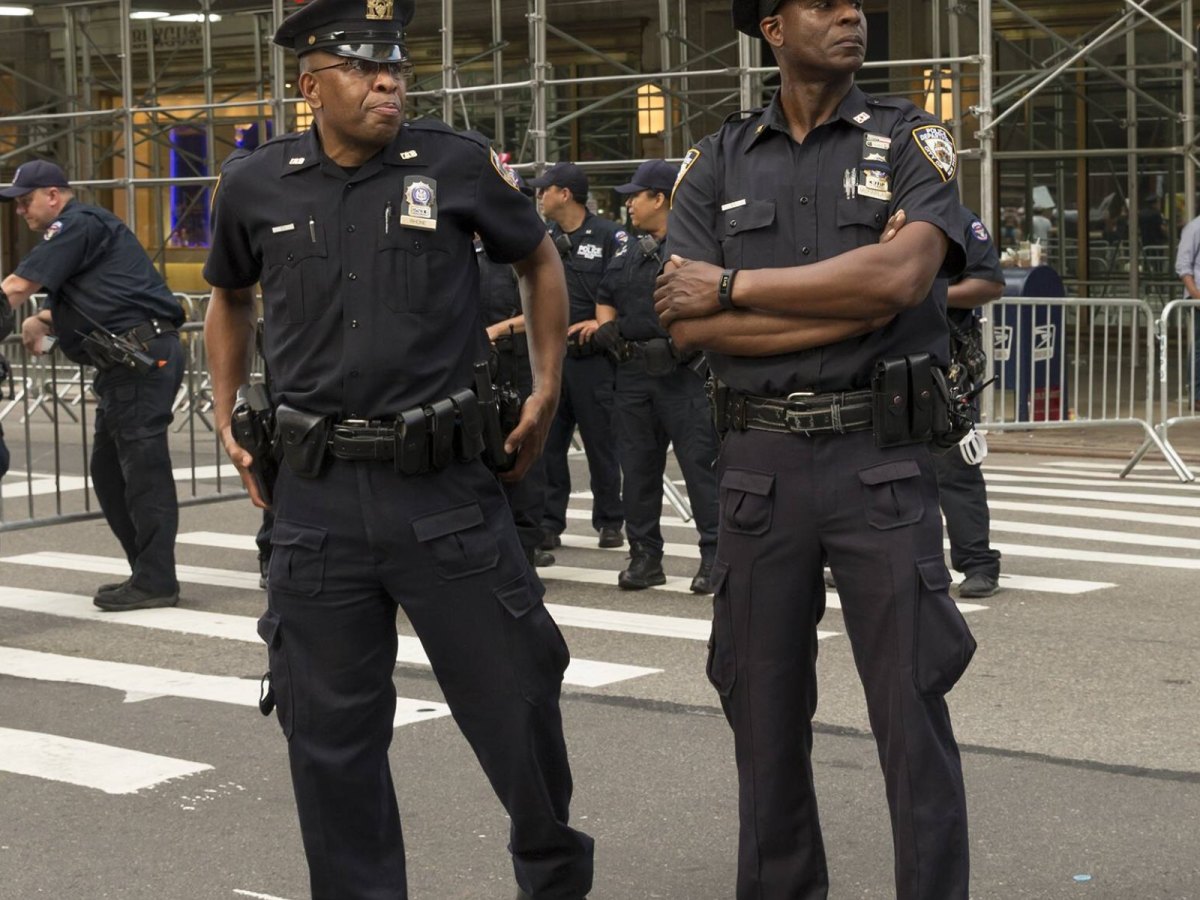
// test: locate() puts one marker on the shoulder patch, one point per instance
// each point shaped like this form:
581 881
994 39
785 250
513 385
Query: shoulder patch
938 146
688 162
621 236
52 229
980 233
503 171
621 252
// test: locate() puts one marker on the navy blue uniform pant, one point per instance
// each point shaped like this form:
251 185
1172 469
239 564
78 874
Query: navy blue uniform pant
351 546
968 523
131 465
787 502
654 411
586 401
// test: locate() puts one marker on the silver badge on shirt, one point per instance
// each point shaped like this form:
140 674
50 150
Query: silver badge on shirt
419 208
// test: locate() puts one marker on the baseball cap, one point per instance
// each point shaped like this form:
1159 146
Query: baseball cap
363 29
652 175
36 174
748 13
564 174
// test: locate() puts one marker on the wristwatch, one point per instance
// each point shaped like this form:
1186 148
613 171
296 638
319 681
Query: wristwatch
725 288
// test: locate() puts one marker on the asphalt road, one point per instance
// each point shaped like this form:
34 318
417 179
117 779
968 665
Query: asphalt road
1078 719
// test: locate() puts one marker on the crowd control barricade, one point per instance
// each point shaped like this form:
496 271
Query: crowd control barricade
1066 362
1178 370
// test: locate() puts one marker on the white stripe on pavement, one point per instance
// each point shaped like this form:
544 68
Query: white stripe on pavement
1096 556
1091 512
1104 475
113 770
21 484
1121 491
1094 534
1098 496
580 672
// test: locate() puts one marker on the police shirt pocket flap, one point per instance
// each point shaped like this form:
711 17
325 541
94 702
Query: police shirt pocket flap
450 521
517 597
755 214
758 483
719 575
268 628
892 471
293 247
862 211
934 574
291 534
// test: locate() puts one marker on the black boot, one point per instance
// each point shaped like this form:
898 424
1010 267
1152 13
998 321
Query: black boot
645 570
702 582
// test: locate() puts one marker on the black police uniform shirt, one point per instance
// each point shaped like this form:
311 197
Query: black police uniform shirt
628 287
982 262
91 264
499 293
369 281
750 197
593 245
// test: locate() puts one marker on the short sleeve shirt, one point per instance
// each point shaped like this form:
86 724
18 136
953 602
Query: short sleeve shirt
750 197
92 266
628 287
593 245
499 296
983 261
369 280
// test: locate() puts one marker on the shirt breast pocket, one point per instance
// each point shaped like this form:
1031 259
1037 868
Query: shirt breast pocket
297 259
410 267
860 221
749 235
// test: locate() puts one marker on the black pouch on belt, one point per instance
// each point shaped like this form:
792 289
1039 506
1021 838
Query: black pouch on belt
412 447
468 437
442 438
660 357
903 398
304 438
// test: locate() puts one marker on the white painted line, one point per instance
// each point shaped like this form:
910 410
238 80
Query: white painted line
1086 464
588 542
1094 534
218 539
1102 475
1096 556
580 672
1091 512
1098 496
111 565
145 682
1043 585
1123 492
113 770
18 484
256 895
584 514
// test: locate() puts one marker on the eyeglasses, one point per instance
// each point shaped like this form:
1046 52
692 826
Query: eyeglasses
369 68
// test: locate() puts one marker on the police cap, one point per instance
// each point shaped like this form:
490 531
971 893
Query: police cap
33 175
364 29
566 175
748 13
652 175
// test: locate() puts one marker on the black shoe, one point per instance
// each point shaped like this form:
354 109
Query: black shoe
550 541
702 582
130 597
610 536
112 586
264 564
978 584
644 571
538 557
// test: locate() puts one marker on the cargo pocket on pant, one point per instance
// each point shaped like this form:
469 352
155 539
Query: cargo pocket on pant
942 642
722 657
459 541
892 494
271 631
537 650
297 558
747 501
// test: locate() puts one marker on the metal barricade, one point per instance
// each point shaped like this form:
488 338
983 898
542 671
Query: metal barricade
1076 363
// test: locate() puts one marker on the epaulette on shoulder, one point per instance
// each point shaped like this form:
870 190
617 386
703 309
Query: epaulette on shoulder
429 123
906 108
241 153
742 114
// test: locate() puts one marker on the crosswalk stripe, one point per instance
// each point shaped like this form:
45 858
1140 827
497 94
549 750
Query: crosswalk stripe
113 770
22 484
1103 475
1119 491
580 672
1094 534
1098 496
1097 556
1091 512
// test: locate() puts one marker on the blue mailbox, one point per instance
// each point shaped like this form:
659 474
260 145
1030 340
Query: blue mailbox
1029 345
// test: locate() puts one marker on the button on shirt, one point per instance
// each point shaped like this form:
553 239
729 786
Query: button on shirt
750 197
370 320
92 265
593 246
628 287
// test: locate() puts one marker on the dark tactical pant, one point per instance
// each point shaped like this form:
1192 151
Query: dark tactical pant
964 501
653 411
131 465
349 547
587 401
787 502
527 497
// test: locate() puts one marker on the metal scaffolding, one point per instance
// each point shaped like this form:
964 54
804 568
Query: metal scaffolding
1053 106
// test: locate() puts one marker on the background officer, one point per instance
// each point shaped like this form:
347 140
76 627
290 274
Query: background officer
588 244
801 473
359 233
8 324
99 279
660 397
500 306
961 487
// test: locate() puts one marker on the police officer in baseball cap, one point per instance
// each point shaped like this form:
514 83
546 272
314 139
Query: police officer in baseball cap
748 13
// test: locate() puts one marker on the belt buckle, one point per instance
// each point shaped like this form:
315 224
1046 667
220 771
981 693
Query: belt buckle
796 407
347 427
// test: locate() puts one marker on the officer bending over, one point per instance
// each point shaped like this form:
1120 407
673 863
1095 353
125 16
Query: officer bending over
588 244
359 232
660 395
109 308
828 349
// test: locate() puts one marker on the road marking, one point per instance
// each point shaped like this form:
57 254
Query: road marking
1097 556
146 682
1121 491
1103 474
1099 496
113 770
1091 512
22 484
256 895
1093 534
580 672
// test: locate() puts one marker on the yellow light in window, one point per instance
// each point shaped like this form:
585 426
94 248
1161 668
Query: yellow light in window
946 113
652 117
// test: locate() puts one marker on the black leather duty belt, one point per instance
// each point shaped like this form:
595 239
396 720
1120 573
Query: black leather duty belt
798 413
148 331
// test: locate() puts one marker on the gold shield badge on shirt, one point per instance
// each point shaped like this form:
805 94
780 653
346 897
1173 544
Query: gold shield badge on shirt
380 10
419 208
